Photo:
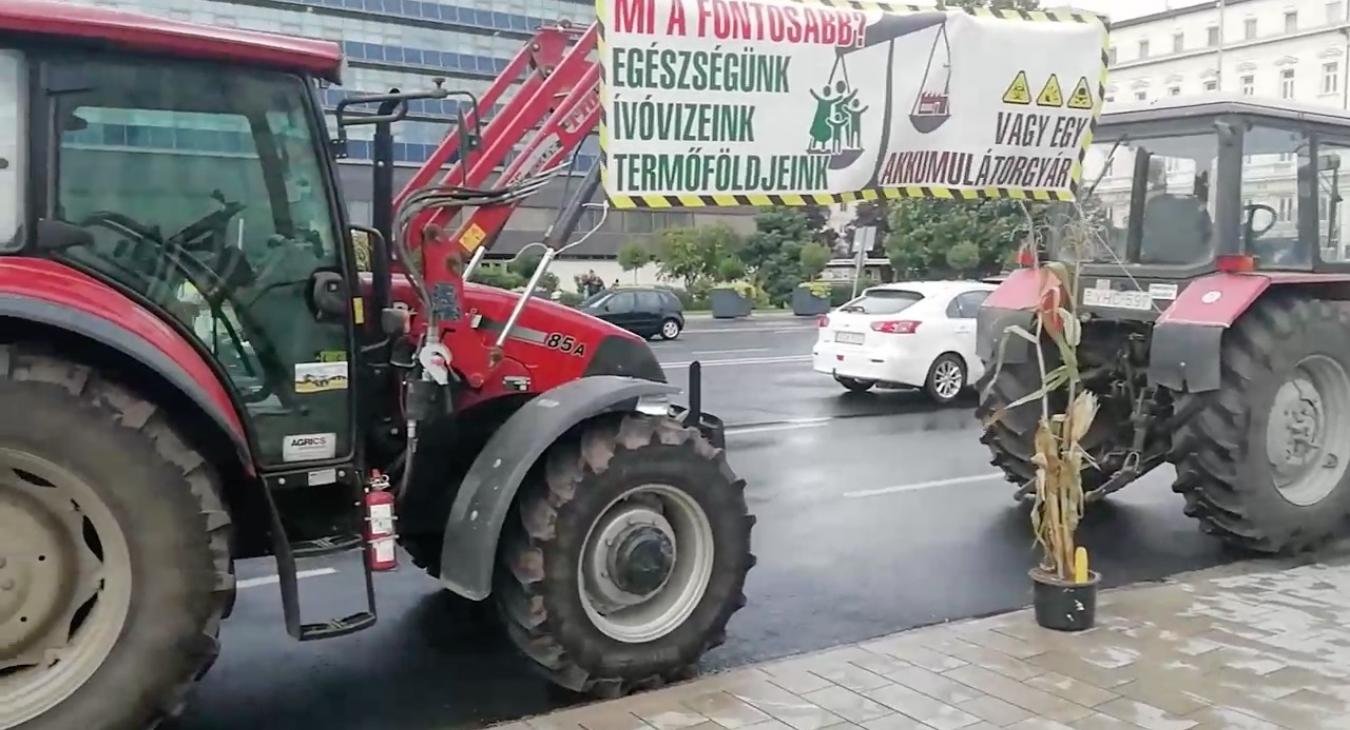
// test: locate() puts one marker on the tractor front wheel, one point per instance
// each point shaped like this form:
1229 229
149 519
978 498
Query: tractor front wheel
628 557
1263 462
114 553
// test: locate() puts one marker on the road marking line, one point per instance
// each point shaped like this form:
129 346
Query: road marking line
923 485
786 426
727 352
765 330
268 580
740 361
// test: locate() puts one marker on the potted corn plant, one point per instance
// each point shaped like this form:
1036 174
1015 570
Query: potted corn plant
1064 588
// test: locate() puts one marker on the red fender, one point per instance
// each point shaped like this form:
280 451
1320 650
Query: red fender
50 293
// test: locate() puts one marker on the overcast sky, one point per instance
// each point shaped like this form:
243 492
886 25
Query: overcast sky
1122 9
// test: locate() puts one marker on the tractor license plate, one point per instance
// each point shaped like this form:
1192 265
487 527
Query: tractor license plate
1136 300
849 338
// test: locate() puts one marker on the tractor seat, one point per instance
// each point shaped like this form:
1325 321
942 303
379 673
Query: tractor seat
1177 230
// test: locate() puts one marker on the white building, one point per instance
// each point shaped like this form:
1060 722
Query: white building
1293 49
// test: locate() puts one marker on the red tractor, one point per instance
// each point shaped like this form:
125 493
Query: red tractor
1215 303
202 361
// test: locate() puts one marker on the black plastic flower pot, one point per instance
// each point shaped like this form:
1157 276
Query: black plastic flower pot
1064 605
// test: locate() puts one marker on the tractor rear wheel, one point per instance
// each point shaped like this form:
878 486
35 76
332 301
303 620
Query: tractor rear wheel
1263 462
628 557
1010 436
114 552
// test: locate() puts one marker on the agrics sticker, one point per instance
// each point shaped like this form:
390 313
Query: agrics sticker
309 447
318 377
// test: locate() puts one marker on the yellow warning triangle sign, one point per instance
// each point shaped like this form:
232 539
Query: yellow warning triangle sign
1081 98
1019 92
1051 94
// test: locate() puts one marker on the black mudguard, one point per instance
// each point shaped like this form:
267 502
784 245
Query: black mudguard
1185 357
469 550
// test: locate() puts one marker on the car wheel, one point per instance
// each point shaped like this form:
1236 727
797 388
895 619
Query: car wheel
855 385
946 378
670 329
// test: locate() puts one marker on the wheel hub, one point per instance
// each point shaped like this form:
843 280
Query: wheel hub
632 556
642 562
1307 431
40 571
647 561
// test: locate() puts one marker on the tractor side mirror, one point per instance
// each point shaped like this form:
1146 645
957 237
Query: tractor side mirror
1261 218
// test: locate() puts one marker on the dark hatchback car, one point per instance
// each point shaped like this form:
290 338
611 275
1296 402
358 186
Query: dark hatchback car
645 312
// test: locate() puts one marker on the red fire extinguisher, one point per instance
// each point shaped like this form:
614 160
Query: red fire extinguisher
379 528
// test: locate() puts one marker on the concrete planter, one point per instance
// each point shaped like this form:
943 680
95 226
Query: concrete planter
728 304
806 304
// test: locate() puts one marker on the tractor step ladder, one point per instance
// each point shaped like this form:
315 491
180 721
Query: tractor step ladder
287 554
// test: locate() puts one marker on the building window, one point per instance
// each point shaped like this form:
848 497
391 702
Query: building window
1141 95
1111 55
1212 36
1178 42
1286 208
1331 77
1335 13
1248 85
1174 91
1212 85
1143 49
1287 83
1249 28
1290 21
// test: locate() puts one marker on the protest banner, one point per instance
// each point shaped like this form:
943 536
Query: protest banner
777 102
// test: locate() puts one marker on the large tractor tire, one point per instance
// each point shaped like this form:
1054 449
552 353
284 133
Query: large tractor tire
1263 462
1010 437
114 554
628 557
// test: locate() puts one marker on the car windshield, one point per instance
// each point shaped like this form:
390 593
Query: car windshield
882 301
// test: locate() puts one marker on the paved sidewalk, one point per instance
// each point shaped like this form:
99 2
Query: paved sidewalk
1259 646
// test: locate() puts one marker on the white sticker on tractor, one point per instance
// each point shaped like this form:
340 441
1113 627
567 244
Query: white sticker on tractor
309 447
323 476
1163 291
317 377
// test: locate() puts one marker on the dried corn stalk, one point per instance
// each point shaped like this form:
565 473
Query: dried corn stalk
1059 457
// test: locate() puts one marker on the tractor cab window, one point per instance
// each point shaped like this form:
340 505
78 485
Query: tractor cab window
13 118
1157 190
204 193
1279 182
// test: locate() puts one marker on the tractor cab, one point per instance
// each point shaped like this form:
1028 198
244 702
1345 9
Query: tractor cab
1179 188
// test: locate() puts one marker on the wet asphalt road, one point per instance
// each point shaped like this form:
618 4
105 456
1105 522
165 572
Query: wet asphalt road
877 512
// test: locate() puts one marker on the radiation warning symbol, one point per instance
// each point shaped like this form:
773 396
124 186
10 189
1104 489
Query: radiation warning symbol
1051 94
1081 98
1019 92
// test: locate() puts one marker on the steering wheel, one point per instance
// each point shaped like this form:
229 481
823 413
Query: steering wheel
210 280
1254 208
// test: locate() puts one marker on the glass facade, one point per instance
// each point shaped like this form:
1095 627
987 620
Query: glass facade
388 44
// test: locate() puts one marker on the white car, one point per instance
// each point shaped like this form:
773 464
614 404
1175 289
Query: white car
916 333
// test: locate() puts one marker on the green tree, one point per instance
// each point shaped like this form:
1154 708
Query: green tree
730 268
691 254
523 268
494 274
924 232
813 258
633 256
773 254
